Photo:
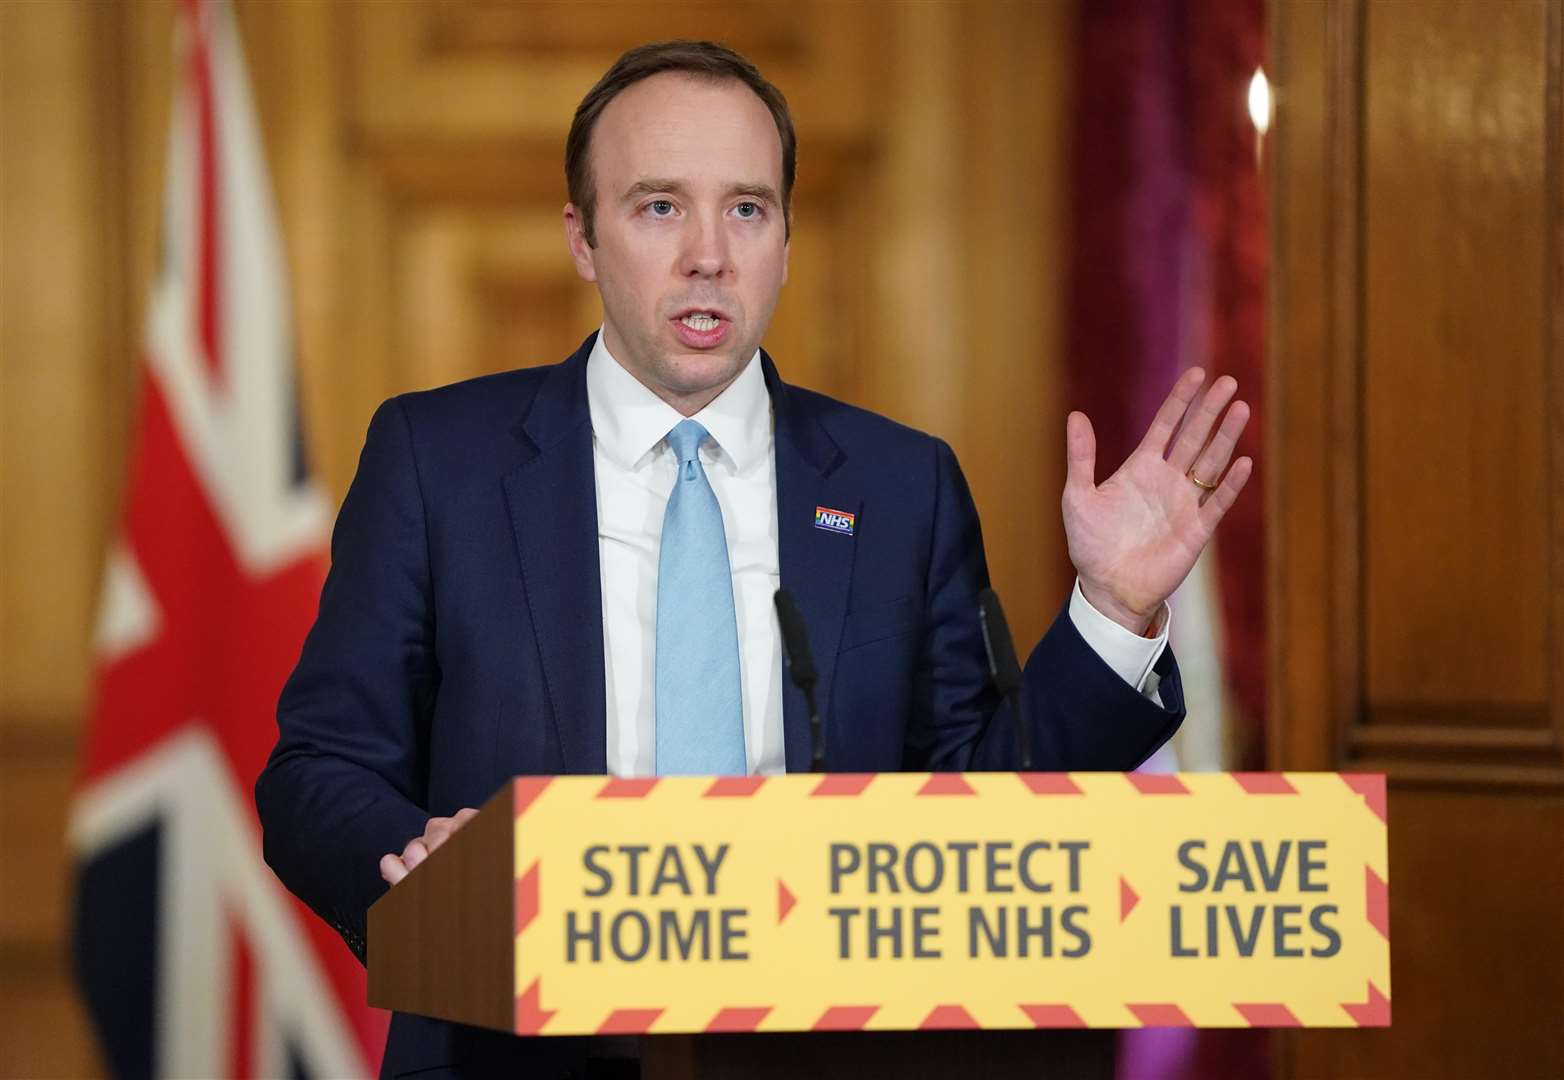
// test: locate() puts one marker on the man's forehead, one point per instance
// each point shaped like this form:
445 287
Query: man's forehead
674 123
670 87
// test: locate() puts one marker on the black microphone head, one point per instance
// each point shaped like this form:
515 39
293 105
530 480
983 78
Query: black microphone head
1002 662
795 641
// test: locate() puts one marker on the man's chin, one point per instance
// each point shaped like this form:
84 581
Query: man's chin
692 371
696 378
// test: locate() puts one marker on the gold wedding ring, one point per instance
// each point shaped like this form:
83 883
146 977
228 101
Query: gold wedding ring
1199 483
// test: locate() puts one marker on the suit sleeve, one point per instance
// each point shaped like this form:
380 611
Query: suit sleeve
347 780
1082 715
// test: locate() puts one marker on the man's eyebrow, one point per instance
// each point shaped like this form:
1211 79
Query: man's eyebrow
654 185
755 191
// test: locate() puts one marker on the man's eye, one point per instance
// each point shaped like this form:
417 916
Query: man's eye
747 210
660 207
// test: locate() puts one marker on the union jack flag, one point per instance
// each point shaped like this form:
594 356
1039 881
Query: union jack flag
193 959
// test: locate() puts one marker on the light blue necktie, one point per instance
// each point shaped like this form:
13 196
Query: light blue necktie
700 714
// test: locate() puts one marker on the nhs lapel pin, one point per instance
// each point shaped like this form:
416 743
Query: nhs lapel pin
837 521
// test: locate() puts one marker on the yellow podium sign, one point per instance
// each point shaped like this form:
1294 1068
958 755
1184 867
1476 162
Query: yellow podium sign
950 900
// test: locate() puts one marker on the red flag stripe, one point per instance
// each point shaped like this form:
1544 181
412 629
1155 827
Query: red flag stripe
208 268
241 1007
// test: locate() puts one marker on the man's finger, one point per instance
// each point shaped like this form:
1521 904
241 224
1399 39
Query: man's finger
1199 421
1213 460
1172 410
1212 510
1080 451
392 868
414 853
439 829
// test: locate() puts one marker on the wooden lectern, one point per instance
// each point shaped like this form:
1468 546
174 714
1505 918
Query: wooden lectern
916 924
443 943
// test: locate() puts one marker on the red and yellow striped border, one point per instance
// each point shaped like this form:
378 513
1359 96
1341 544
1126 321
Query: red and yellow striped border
548 807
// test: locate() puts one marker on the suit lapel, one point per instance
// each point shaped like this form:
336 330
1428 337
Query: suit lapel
552 498
816 564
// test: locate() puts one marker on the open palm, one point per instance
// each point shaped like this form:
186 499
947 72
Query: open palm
1134 537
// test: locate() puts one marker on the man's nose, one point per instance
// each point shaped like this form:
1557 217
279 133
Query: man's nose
705 248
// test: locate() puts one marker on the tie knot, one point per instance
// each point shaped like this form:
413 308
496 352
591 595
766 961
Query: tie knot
685 440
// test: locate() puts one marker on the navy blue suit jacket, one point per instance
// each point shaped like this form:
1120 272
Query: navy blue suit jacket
460 642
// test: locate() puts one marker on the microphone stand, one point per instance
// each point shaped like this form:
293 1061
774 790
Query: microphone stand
801 669
1005 669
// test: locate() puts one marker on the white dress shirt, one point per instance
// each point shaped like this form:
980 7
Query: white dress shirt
635 471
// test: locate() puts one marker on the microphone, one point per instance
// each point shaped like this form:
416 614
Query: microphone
801 669
1004 668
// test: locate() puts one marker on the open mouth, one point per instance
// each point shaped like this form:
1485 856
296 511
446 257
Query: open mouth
701 329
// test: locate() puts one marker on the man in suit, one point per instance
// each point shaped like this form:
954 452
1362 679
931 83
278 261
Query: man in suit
528 567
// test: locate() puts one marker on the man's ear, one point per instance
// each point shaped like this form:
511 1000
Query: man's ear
787 246
575 239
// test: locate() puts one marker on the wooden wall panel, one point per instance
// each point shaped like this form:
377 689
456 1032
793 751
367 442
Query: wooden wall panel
51 381
1011 437
1453 462
1415 491
1413 340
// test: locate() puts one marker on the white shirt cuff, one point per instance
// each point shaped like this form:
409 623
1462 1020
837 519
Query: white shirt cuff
1129 655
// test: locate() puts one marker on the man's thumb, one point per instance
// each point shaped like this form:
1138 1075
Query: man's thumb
1080 446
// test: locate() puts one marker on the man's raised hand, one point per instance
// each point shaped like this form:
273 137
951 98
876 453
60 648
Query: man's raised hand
1134 537
438 830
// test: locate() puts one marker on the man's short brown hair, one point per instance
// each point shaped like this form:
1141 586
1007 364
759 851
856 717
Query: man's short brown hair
701 59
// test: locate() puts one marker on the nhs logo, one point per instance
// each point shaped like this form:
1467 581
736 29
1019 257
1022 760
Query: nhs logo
834 520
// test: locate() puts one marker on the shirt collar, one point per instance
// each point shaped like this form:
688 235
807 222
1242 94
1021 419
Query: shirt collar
629 420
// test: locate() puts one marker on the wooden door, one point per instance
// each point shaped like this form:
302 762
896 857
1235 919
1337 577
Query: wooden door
1416 492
